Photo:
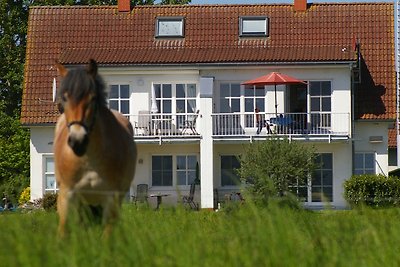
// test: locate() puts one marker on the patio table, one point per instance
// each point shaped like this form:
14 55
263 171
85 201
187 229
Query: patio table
159 198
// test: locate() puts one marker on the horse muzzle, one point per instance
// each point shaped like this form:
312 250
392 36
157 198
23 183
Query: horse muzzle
78 138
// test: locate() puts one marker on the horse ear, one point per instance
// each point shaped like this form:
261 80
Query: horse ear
61 69
92 68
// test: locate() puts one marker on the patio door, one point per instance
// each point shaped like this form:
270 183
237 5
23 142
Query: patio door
311 106
298 104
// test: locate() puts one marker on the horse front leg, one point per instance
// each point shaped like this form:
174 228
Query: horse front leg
110 213
62 209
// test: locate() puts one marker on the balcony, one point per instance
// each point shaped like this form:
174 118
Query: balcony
157 127
184 127
301 126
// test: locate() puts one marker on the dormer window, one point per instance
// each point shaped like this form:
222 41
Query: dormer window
254 26
169 27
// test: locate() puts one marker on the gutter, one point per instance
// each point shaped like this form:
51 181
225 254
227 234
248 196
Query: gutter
228 64
32 125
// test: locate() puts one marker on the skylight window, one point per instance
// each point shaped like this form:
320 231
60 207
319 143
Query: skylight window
170 27
253 26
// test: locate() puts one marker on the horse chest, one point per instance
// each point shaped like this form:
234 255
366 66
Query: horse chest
90 180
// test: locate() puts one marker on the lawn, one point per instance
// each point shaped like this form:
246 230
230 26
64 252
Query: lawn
248 236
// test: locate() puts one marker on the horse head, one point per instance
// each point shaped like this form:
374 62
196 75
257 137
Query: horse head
80 95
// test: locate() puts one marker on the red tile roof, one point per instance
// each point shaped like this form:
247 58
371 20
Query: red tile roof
392 138
324 33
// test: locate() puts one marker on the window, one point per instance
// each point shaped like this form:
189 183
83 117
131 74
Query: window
253 26
322 179
254 96
119 98
186 169
320 104
185 101
161 170
185 98
364 163
170 27
49 175
172 170
300 189
229 97
229 176
176 97
163 97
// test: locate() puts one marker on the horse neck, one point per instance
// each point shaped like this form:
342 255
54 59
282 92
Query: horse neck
97 136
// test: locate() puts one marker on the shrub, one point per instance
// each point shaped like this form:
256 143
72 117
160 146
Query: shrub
25 196
49 201
372 190
271 167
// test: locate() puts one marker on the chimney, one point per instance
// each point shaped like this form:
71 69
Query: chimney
300 5
124 5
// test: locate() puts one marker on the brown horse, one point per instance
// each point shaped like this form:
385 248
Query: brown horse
94 151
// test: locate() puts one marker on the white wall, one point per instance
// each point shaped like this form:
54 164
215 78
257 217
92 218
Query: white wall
140 82
362 133
338 75
40 146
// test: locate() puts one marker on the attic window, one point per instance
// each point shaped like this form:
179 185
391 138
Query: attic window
256 26
170 27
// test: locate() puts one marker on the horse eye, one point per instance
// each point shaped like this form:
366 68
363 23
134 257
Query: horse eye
64 98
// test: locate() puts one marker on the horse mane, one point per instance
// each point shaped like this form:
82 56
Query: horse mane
82 81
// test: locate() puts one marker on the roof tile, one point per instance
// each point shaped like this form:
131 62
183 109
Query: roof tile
74 34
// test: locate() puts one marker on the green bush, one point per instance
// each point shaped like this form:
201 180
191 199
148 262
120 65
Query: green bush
271 167
49 201
372 190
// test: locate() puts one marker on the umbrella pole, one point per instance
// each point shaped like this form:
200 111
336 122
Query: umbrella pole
276 104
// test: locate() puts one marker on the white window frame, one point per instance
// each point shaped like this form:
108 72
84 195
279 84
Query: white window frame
161 99
321 169
174 171
308 184
320 118
47 173
230 97
253 26
189 172
120 99
258 99
170 27
364 169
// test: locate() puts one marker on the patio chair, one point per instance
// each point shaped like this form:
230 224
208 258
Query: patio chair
142 125
141 194
216 199
189 200
190 123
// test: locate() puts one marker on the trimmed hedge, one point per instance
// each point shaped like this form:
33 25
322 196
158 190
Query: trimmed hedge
372 190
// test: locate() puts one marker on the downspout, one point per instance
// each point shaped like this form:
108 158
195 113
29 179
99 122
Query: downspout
352 127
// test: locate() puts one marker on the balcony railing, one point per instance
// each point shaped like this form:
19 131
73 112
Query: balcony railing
241 125
314 123
149 125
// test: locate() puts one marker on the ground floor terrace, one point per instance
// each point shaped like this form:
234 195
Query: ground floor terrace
169 163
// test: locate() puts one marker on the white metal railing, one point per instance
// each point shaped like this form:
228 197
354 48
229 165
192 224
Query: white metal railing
314 123
146 124
149 125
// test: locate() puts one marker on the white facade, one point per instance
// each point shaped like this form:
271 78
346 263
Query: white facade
343 139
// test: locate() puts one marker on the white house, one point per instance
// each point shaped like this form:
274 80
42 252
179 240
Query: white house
164 63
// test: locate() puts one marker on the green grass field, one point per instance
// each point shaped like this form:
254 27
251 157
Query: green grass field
249 236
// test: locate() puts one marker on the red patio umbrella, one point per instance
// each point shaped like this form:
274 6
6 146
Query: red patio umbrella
274 78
